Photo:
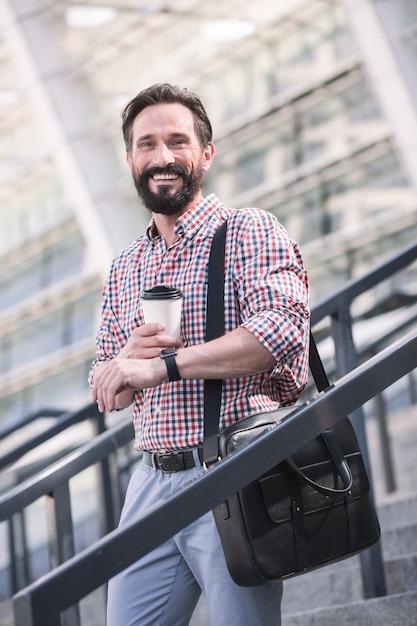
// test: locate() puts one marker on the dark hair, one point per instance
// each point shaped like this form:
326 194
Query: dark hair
164 93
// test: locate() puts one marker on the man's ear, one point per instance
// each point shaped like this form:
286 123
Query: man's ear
208 156
129 158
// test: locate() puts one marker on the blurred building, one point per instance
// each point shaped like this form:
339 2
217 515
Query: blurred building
314 109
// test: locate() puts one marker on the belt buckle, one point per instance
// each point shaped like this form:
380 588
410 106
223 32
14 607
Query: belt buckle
170 462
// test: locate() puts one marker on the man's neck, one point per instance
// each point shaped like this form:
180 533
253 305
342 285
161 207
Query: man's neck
165 224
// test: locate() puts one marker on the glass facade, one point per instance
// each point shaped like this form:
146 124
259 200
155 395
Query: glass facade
301 130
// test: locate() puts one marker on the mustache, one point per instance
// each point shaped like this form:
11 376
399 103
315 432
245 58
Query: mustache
178 170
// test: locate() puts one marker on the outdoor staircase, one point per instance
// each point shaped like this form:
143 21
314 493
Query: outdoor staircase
332 596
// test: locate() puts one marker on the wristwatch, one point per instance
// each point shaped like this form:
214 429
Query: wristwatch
169 355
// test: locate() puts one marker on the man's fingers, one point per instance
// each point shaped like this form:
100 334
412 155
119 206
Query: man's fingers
112 378
101 382
147 341
149 329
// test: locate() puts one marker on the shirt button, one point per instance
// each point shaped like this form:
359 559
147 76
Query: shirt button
158 410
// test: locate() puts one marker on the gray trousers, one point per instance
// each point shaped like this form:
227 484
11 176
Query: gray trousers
163 587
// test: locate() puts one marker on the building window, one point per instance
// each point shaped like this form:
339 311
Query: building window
47 268
250 171
66 326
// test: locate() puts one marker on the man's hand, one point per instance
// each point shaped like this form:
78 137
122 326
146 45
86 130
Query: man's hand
116 381
147 341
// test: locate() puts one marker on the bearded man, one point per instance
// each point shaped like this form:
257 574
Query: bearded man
262 357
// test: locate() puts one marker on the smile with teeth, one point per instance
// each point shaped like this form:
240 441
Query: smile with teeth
165 176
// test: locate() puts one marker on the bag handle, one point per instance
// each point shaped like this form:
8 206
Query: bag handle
322 383
213 388
340 462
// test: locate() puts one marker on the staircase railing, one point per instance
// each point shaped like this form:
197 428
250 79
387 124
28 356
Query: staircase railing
29 419
43 601
337 308
63 421
17 544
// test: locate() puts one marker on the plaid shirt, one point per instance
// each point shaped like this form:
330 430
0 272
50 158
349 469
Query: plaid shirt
266 292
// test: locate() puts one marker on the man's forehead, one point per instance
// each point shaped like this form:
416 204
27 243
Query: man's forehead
173 115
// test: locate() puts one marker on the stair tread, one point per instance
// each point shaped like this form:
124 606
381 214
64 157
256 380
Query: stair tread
344 584
391 610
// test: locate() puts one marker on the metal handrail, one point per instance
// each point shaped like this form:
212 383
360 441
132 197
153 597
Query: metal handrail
27 492
357 286
16 522
28 419
62 422
43 601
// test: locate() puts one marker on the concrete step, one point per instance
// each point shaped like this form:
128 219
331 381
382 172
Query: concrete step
399 541
395 509
327 586
401 574
341 583
394 610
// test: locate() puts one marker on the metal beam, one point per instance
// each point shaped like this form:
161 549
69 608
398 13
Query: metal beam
387 72
69 110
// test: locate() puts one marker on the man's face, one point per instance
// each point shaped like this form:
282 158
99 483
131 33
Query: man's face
166 160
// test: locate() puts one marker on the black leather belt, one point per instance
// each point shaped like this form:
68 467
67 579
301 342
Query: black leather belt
169 462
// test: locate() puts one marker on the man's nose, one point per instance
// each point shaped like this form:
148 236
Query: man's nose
163 156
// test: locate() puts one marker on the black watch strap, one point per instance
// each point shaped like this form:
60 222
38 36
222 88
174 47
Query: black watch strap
169 357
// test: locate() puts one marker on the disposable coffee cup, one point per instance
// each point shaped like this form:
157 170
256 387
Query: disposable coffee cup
163 304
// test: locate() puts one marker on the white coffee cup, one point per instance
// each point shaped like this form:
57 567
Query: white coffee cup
163 304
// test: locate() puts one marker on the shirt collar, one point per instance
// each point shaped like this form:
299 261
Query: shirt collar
190 222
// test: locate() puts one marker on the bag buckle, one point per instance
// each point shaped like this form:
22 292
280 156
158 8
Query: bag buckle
210 451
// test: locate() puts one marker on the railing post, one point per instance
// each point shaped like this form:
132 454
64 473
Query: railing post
18 552
61 539
105 478
372 565
27 611
387 465
412 388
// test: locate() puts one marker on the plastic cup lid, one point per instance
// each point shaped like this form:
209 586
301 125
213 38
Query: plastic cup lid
161 292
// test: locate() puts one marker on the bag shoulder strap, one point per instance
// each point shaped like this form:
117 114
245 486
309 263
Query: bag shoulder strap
214 329
317 367
215 287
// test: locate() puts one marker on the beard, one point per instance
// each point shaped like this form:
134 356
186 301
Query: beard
163 201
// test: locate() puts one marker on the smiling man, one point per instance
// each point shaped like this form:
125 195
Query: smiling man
168 170
262 356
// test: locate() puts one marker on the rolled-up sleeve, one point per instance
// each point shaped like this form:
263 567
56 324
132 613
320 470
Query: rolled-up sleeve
272 285
110 337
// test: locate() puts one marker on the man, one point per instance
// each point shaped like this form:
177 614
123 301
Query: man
262 357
